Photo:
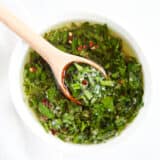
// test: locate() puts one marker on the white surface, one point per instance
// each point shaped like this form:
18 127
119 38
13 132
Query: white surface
141 19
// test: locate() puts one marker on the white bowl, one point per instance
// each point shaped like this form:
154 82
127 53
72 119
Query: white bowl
15 77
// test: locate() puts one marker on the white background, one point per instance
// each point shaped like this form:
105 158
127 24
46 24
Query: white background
142 19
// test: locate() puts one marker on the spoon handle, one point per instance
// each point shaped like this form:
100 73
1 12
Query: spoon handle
44 48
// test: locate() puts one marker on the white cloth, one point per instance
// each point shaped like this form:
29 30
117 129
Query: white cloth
141 19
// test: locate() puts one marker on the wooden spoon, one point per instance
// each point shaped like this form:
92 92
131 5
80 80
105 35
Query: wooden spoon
58 60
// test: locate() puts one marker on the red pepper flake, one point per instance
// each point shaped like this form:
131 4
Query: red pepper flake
45 102
70 38
32 69
53 131
85 82
84 46
91 44
80 48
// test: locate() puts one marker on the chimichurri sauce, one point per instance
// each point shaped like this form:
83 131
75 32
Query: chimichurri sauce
108 104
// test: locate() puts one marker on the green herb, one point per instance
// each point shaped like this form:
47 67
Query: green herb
108 104
45 111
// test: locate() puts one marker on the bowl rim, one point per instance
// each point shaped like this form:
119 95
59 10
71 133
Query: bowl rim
27 115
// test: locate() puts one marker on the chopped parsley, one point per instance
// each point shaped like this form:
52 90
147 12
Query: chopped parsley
108 104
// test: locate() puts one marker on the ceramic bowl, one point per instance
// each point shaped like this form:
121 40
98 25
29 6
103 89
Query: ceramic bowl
15 81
